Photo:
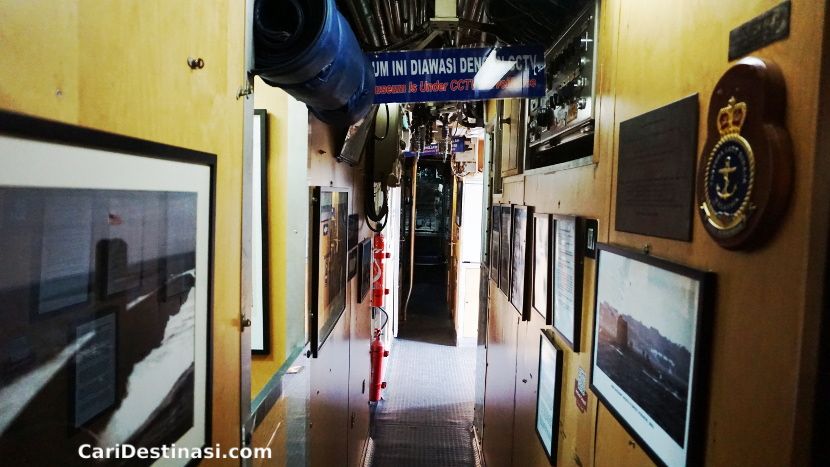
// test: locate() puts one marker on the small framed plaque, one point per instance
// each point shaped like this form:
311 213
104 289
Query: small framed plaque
505 246
495 245
548 395
520 260
541 277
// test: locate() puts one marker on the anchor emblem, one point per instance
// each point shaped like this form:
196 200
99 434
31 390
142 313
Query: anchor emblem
728 169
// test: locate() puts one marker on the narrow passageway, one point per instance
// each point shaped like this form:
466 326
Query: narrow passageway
426 413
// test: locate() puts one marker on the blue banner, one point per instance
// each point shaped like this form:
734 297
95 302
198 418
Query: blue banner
458 74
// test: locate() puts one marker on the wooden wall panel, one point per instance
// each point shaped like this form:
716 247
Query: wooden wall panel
338 373
121 67
754 354
359 376
651 54
526 451
500 386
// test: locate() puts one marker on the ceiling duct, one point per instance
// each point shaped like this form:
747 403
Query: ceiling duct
307 48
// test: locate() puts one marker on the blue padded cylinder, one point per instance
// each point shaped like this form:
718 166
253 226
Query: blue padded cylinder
308 49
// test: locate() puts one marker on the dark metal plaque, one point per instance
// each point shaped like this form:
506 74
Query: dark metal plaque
761 31
656 171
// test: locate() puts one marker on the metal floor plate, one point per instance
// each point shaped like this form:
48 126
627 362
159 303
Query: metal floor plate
426 416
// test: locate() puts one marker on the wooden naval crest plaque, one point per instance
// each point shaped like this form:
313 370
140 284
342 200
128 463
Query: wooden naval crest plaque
745 172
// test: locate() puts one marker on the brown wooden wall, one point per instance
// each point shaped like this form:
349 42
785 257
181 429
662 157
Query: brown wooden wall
122 67
768 302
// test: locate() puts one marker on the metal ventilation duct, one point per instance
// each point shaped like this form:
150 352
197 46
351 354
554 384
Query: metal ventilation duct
307 48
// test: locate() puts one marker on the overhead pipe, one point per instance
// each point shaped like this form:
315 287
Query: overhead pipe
412 223
397 19
367 17
382 30
360 30
307 48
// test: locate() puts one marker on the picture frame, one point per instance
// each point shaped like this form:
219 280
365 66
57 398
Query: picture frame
329 261
520 259
495 244
541 279
650 350
548 394
364 281
163 268
260 264
505 248
567 271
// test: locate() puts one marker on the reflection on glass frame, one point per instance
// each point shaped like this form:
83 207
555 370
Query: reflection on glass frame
329 241
352 263
567 270
548 395
106 291
505 246
540 271
648 350
519 256
364 250
495 220
261 310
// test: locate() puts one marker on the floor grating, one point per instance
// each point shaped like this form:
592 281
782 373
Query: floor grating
427 411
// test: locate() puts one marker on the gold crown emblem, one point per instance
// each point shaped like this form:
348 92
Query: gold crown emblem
731 118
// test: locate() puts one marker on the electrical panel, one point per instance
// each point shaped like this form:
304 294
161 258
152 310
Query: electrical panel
560 125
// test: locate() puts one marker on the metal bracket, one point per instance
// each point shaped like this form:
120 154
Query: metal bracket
247 88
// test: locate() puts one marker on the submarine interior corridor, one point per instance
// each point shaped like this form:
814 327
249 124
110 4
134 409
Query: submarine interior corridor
404 233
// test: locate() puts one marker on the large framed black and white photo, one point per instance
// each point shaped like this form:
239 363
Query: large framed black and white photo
260 313
548 394
520 260
649 350
106 292
505 247
540 270
567 271
495 236
329 261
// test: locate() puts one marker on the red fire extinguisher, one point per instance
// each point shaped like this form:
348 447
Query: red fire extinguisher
378 291
377 355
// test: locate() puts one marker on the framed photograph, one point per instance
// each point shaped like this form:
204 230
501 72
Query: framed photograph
649 350
567 271
540 270
329 262
505 246
548 393
106 291
260 314
520 260
495 245
364 282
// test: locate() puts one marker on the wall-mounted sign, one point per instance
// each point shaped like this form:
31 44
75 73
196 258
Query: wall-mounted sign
656 171
745 173
459 74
